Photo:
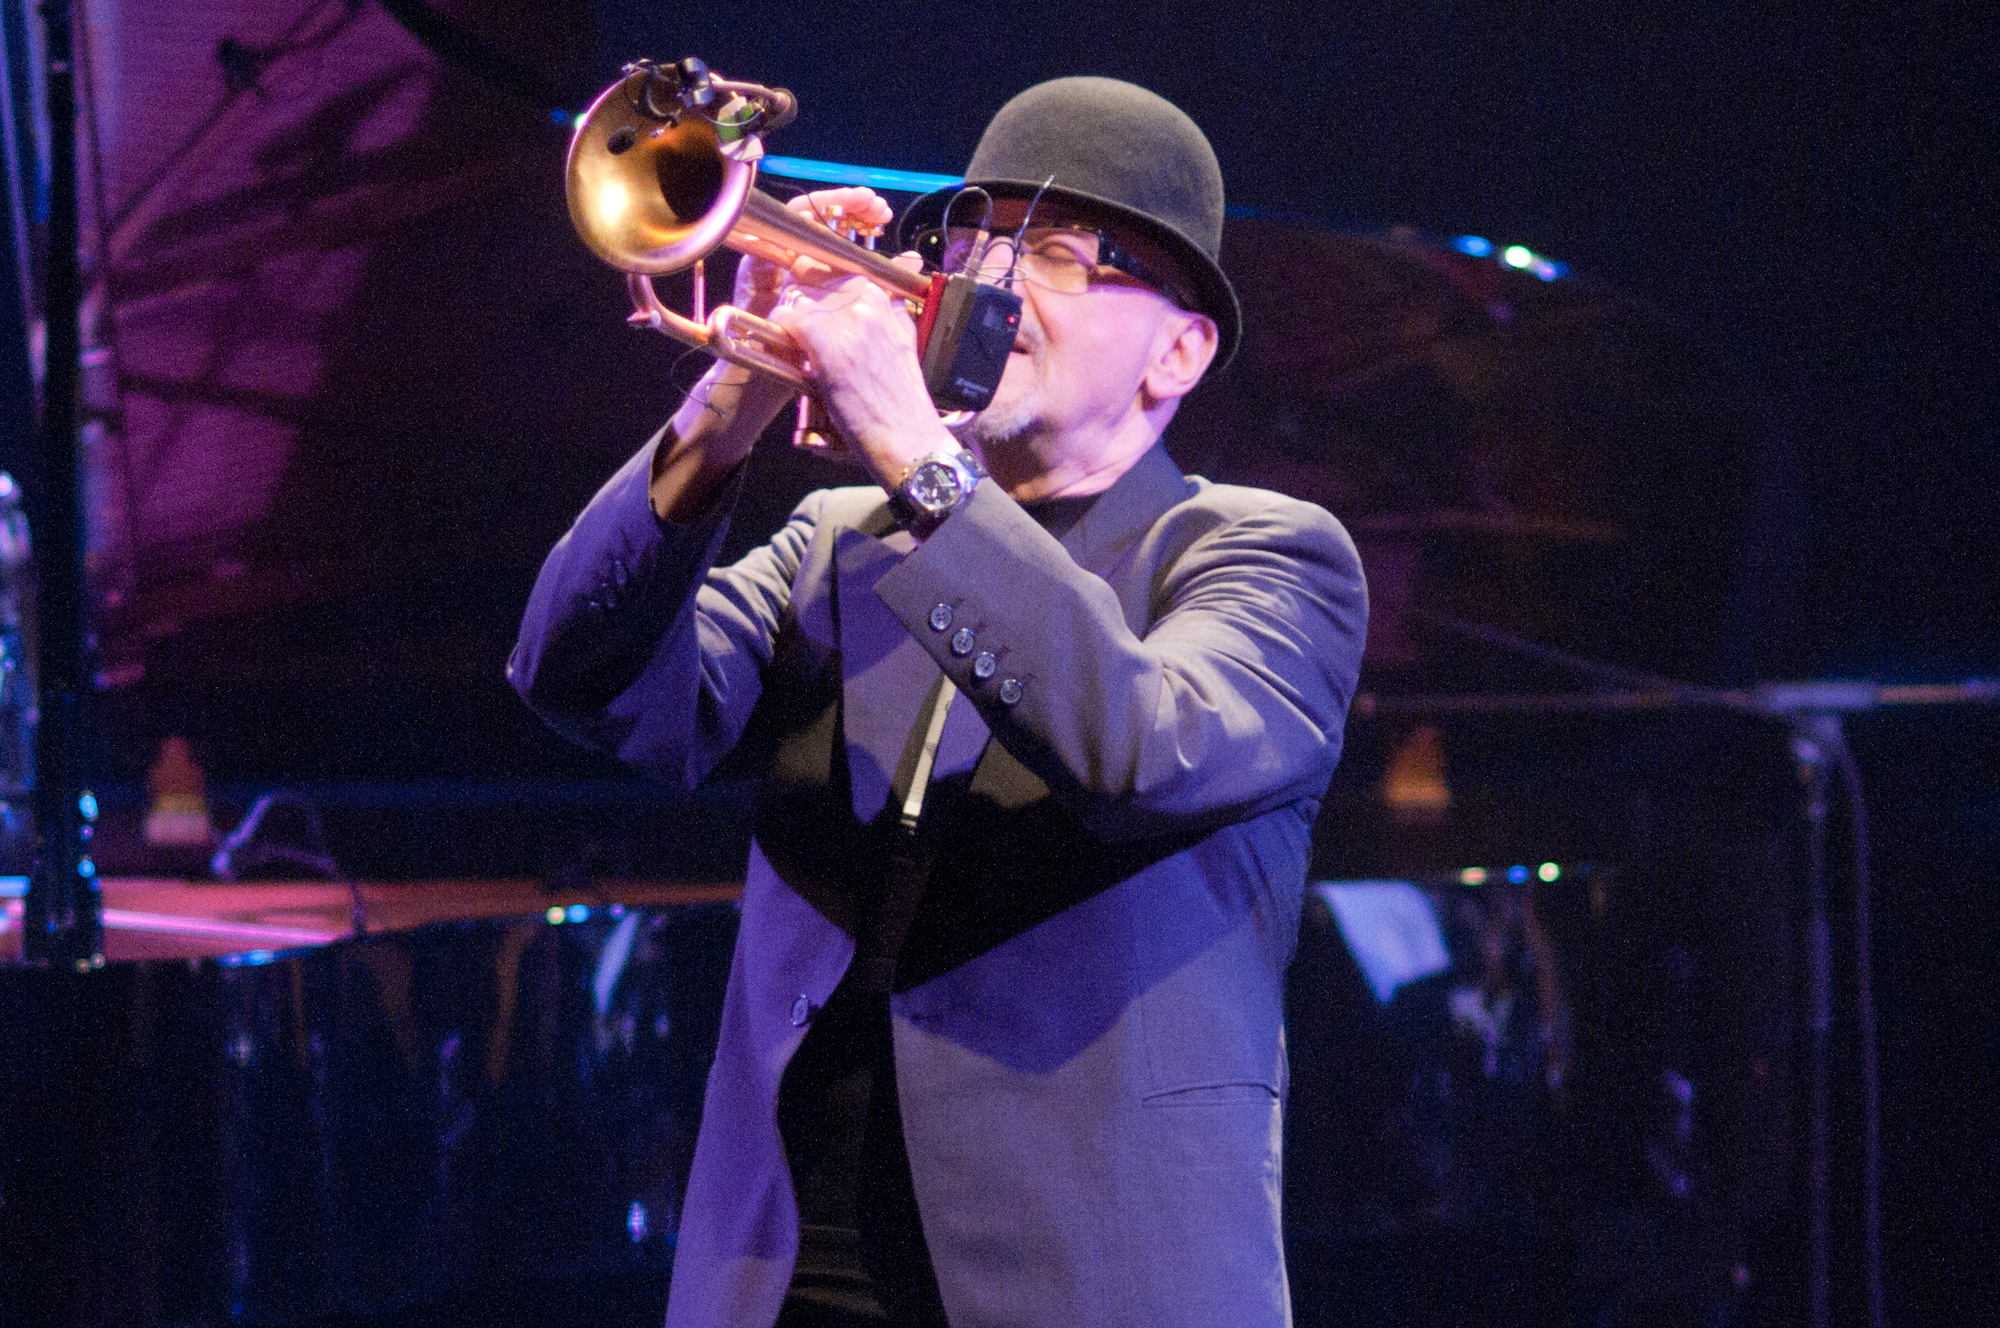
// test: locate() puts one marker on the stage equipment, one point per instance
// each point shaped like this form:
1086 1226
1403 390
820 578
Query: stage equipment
1811 714
1532 1096
473 1108
662 170
62 909
17 679
253 849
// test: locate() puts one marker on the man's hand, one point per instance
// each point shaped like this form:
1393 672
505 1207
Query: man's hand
717 425
760 284
862 343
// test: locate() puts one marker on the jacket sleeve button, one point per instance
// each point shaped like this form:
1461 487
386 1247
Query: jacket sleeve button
1010 690
984 664
961 641
941 618
802 1012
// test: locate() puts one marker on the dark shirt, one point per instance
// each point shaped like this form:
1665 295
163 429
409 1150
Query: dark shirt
861 1245
889 872
1058 515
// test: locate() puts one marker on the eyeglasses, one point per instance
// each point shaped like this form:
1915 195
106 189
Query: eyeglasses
1058 258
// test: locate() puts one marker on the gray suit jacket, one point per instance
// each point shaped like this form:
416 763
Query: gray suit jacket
1087 1018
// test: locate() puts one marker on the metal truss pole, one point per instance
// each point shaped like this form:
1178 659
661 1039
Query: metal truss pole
62 916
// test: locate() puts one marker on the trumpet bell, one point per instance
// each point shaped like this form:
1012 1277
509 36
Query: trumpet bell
647 194
661 172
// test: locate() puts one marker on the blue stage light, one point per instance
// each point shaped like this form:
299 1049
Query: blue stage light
1514 256
1517 875
833 172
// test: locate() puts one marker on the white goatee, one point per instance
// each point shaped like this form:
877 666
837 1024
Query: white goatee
1003 423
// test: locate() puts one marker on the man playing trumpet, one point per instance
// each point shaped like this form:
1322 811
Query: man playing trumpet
1042 725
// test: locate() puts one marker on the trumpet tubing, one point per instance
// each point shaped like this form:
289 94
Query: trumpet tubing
663 171
657 182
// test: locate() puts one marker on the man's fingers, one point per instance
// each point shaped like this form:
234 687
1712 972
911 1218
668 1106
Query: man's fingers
809 271
841 291
860 207
846 196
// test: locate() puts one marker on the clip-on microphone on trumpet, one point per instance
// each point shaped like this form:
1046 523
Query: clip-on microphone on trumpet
964 337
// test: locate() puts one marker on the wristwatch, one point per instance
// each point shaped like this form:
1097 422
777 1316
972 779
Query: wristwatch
933 488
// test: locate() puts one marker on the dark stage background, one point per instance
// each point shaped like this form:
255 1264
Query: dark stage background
354 375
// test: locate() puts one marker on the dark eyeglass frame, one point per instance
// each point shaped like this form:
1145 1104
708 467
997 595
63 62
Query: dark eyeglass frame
929 246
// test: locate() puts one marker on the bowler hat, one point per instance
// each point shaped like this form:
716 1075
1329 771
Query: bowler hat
1109 149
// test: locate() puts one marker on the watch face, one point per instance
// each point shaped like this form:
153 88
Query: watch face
933 486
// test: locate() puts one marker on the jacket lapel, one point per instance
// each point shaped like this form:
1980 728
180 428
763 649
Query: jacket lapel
885 674
1107 533
1128 509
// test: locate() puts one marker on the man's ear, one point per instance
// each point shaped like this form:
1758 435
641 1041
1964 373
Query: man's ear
1182 352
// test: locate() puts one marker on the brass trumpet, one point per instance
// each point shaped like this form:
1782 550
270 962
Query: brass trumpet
662 170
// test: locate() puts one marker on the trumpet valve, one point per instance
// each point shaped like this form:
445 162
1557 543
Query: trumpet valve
815 431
